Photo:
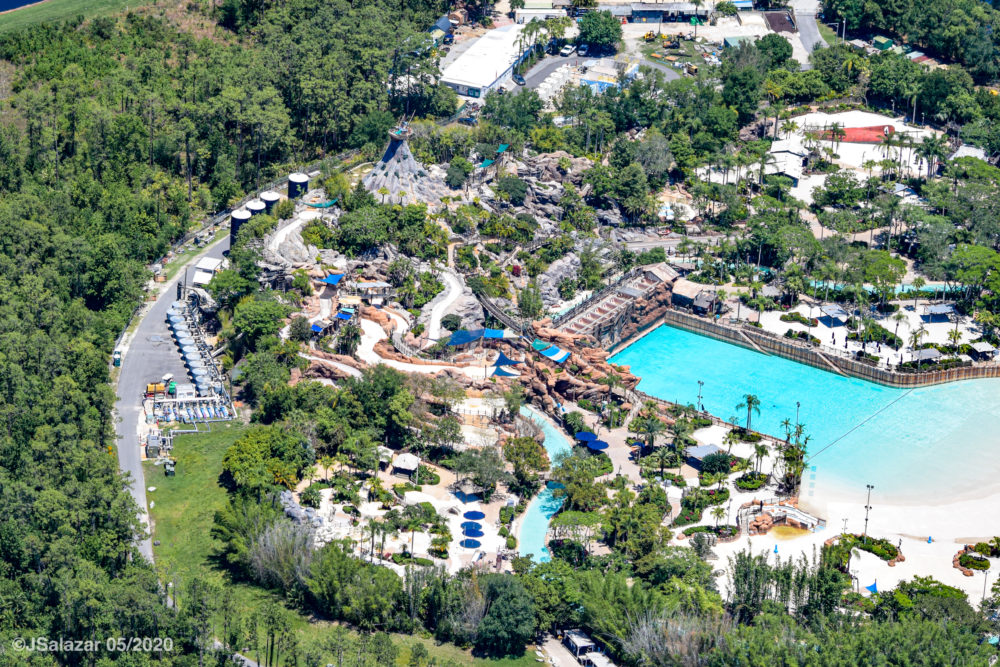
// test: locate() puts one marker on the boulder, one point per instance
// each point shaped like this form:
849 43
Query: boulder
565 267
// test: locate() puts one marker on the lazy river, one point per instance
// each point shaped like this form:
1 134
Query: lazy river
916 446
535 523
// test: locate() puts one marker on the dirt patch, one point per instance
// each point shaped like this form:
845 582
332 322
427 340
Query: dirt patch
780 21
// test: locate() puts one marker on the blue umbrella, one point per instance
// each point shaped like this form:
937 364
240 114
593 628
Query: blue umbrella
873 588
471 525
586 436
474 515
598 445
469 544
775 548
473 533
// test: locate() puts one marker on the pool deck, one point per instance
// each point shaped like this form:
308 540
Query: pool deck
825 358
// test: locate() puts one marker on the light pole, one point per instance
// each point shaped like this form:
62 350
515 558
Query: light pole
868 507
797 406
986 576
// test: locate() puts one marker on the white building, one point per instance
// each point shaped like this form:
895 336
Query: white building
485 65
206 268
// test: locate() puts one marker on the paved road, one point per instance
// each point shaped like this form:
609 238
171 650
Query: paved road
805 17
669 72
150 354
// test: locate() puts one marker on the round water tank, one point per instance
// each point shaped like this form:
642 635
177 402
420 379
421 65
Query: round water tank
270 199
236 221
256 206
195 363
178 305
199 373
188 350
298 183
185 340
174 320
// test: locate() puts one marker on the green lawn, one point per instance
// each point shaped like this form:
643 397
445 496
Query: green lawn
827 33
182 513
61 10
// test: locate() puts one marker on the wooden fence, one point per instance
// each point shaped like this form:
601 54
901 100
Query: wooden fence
826 359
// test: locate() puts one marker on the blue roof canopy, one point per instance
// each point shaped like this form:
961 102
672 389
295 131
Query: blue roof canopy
317 328
502 372
463 336
333 278
504 360
556 354
343 316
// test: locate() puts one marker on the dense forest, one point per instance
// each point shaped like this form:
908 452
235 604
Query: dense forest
118 135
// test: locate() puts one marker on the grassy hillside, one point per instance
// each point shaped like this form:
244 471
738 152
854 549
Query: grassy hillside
182 511
60 10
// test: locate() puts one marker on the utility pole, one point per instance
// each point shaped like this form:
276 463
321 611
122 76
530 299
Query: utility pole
868 507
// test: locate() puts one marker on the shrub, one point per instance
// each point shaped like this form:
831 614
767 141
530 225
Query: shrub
451 322
511 542
506 515
751 481
794 316
427 476
973 562
717 462
310 497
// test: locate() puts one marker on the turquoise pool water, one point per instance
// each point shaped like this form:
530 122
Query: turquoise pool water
535 523
921 446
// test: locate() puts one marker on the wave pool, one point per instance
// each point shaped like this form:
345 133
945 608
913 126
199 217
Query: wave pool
929 445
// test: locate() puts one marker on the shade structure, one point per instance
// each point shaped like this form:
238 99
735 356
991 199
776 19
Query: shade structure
598 445
474 515
471 525
465 336
473 533
504 373
469 544
586 436
504 360
873 588
333 278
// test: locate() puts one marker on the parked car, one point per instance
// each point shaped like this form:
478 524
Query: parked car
518 79
468 120
583 50
567 50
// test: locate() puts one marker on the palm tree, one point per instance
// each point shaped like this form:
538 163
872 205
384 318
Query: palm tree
915 339
788 127
731 438
930 149
917 285
787 425
326 461
697 5
955 336
898 317
752 404
836 134
760 451
718 512
651 427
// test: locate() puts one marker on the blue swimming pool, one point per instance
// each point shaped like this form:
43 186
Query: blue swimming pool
535 522
917 445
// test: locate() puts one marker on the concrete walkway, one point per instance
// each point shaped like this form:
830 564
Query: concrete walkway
453 285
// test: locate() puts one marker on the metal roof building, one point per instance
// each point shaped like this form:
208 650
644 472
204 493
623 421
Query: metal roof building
486 63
